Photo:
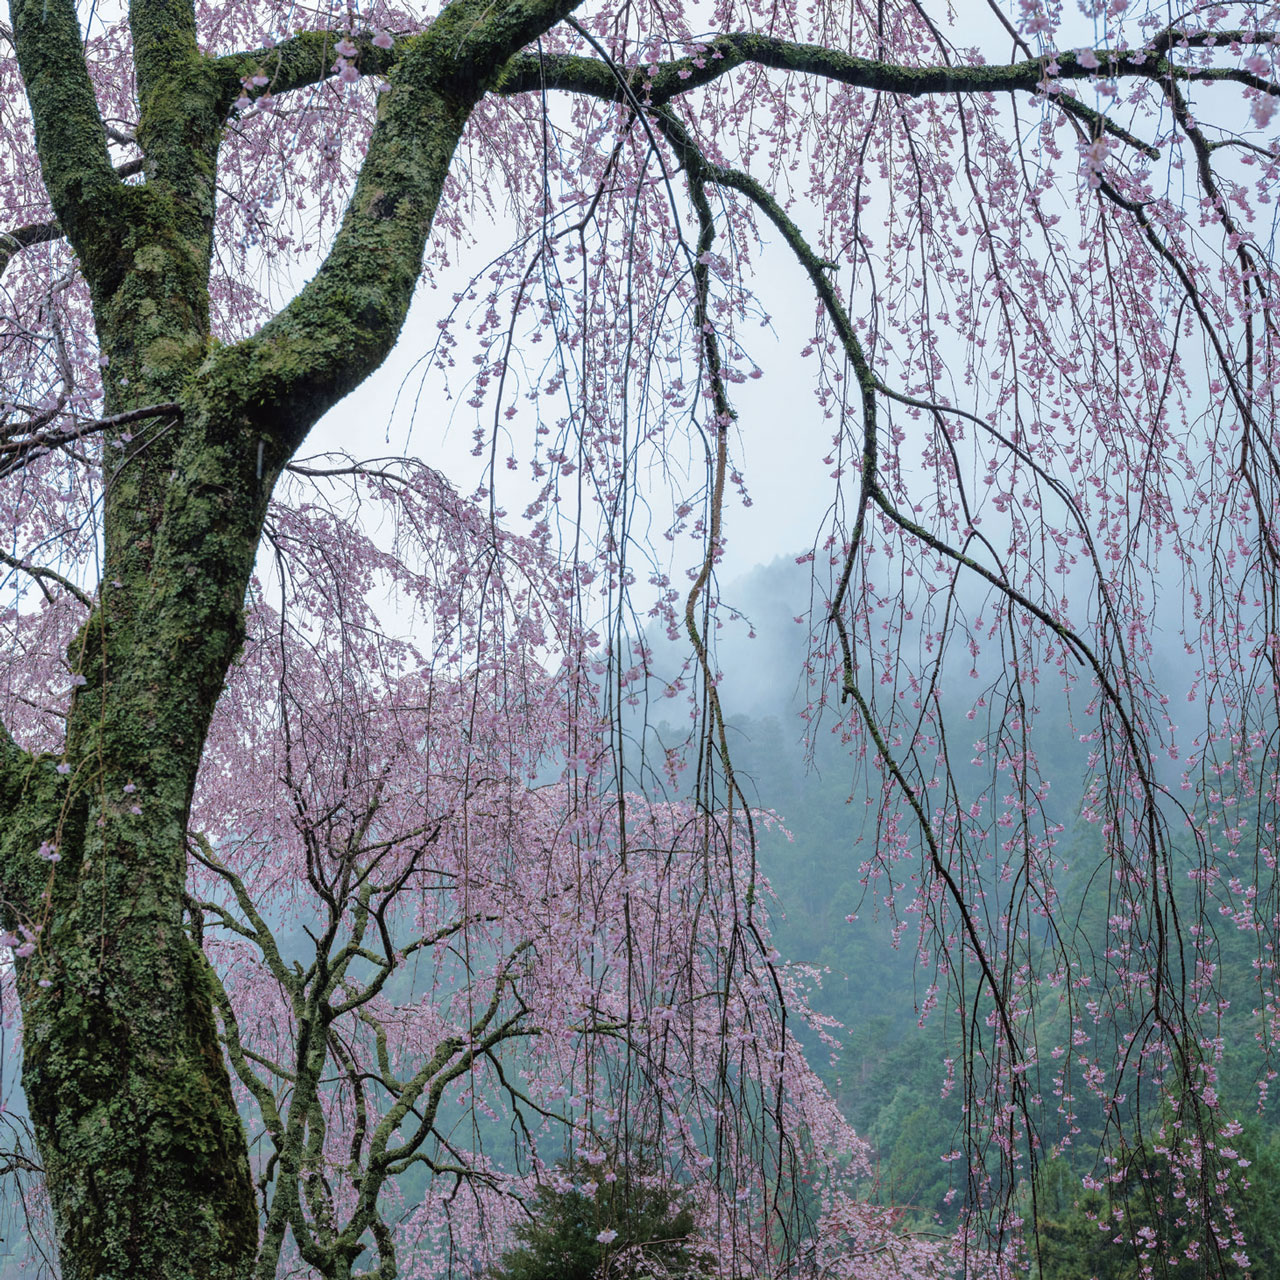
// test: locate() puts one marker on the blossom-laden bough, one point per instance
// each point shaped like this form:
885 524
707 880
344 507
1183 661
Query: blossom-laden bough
1044 353
484 949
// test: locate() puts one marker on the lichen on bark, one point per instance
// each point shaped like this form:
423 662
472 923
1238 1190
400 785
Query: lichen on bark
143 1151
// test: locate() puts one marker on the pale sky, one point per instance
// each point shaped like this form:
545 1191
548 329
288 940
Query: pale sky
783 436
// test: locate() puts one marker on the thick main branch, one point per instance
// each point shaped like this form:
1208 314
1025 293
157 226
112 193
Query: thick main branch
657 83
70 139
347 319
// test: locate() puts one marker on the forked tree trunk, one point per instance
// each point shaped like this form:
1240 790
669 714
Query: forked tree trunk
144 1154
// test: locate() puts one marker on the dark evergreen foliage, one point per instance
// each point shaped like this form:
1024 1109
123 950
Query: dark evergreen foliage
626 1222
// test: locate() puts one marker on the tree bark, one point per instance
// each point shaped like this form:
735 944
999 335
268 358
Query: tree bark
143 1150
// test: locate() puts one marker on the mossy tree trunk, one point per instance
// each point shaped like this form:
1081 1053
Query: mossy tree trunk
143 1150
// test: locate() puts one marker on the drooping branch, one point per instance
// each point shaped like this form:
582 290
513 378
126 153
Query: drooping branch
819 275
1167 1009
41 574
346 320
1096 123
870 387
22 443
656 84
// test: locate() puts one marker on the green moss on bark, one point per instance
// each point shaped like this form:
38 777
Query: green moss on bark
144 1154
142 1146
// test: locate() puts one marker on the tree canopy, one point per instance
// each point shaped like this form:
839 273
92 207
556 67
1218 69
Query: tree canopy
349 879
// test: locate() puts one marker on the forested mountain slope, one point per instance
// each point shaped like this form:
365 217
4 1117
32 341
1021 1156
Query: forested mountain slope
877 973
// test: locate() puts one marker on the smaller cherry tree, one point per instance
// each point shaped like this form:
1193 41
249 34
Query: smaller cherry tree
429 918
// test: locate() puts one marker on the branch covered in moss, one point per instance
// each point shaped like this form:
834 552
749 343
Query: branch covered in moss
177 123
658 83
70 138
345 322
13 242
301 61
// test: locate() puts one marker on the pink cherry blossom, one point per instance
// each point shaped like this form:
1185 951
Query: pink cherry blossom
437 778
